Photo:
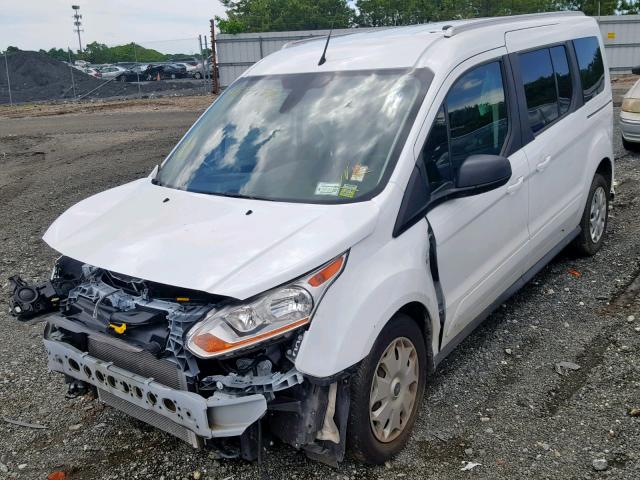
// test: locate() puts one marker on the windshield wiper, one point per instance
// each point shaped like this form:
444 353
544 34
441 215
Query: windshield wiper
233 195
155 180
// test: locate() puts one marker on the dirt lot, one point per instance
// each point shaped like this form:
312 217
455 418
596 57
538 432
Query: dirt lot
497 400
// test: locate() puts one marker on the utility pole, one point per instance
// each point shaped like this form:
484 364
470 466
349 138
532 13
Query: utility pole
77 23
215 83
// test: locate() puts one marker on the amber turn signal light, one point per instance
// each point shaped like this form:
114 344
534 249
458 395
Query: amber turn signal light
326 273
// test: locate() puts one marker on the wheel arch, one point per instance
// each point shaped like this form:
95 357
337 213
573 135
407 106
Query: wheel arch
605 168
418 312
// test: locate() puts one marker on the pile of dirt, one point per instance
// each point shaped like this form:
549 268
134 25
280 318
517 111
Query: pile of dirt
36 77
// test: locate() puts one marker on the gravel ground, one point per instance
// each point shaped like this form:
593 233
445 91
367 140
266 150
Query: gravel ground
497 400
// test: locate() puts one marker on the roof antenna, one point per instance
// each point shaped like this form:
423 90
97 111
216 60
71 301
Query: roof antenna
323 58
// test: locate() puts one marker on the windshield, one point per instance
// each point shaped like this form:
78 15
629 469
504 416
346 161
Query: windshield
313 137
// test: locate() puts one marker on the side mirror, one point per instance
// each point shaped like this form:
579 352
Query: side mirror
482 173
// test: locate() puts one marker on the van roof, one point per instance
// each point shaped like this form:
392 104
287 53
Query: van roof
405 47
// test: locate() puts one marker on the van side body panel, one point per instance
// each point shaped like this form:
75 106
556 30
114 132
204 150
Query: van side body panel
564 155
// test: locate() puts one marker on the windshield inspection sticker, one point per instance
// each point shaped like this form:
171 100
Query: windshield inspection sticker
358 172
348 191
324 188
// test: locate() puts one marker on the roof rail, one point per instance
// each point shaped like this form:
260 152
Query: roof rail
485 22
295 43
340 33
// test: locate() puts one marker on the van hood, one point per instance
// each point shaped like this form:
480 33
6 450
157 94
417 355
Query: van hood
225 246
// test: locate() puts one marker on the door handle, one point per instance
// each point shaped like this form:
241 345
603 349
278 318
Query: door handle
543 164
514 187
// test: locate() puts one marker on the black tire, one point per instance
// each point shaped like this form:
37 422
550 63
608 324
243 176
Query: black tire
584 243
630 146
197 76
361 440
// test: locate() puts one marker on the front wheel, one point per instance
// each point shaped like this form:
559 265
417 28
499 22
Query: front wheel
386 392
594 218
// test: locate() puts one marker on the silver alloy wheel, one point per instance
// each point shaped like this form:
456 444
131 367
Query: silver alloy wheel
598 214
393 389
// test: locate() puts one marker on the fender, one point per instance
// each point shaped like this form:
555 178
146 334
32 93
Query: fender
600 147
371 289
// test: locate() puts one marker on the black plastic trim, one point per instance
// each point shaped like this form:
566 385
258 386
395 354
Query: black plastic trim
599 109
324 381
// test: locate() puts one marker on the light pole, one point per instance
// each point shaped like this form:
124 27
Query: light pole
77 23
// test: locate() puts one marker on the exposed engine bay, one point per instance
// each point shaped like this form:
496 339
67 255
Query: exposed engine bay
125 339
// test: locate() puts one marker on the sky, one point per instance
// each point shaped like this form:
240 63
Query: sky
170 26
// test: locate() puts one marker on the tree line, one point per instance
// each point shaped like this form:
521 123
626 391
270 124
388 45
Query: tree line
99 53
280 15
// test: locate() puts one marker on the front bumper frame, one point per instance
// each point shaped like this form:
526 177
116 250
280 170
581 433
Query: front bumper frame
218 416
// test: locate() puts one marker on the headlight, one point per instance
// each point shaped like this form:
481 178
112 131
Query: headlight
631 105
267 316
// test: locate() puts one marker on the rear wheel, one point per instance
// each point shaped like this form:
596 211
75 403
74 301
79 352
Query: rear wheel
594 218
386 392
197 76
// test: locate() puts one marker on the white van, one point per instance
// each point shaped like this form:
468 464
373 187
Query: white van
330 229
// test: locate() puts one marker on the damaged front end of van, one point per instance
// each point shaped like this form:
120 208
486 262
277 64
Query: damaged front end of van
211 370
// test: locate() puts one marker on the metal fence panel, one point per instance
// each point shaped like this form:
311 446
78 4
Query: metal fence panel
236 53
621 36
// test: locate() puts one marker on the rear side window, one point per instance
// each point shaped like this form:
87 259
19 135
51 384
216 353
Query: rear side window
477 113
563 77
591 66
539 88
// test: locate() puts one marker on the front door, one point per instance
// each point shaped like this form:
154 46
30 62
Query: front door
481 240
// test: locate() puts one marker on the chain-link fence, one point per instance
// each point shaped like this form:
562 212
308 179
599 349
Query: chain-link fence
133 70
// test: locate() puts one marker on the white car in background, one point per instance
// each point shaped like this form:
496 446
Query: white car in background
94 72
630 118
111 72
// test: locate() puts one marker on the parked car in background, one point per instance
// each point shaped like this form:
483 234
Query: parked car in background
190 66
292 267
630 118
112 72
135 73
165 72
94 72
199 71
126 65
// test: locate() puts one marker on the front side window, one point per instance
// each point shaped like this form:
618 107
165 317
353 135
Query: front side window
435 153
477 113
539 88
310 137
591 66
471 121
